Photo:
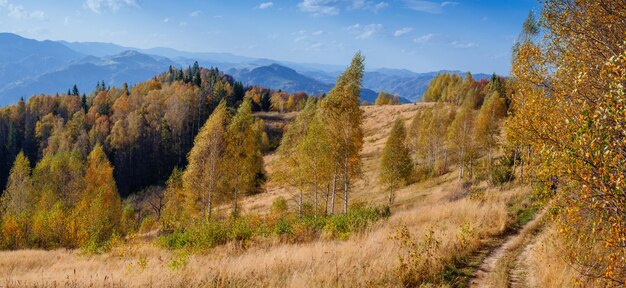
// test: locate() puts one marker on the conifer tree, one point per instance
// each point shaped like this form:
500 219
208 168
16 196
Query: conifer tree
204 175
174 212
245 162
395 165
100 208
17 204
19 197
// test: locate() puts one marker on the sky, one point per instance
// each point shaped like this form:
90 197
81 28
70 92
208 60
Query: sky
422 36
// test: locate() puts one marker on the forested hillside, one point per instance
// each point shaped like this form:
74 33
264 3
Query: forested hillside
146 130
197 178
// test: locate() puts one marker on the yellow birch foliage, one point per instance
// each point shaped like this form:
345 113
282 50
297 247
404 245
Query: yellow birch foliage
568 109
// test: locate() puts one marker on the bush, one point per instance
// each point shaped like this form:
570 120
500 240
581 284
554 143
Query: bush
201 235
502 171
241 230
148 224
279 207
282 227
174 240
356 220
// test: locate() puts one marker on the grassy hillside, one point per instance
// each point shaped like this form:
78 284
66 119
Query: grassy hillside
447 223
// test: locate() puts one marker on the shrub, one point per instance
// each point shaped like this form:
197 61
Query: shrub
282 227
356 220
502 171
203 234
148 224
279 207
241 230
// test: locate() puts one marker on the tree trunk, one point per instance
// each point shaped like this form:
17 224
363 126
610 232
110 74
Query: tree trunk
315 194
210 205
461 166
345 183
521 166
327 196
300 205
235 212
332 199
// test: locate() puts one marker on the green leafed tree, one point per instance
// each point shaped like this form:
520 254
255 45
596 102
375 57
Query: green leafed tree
315 163
343 117
488 122
289 168
461 138
396 166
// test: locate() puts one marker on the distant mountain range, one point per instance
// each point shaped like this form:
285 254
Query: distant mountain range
29 67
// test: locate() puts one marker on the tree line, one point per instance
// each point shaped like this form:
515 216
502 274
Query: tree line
146 130
197 119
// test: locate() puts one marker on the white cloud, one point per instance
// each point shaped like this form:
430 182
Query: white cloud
300 38
183 24
18 12
167 19
265 5
367 5
195 13
449 3
464 45
365 31
424 38
317 46
429 6
402 31
318 33
97 6
66 21
381 5
320 7
38 14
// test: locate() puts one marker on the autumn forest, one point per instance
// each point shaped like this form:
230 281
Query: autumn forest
195 179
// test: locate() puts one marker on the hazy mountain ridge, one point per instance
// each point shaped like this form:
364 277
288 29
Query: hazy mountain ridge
130 66
29 67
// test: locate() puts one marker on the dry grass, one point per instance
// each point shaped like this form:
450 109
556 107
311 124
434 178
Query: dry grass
548 268
440 205
365 260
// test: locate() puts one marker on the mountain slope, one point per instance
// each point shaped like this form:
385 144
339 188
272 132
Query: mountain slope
21 58
283 78
30 67
129 66
280 78
408 84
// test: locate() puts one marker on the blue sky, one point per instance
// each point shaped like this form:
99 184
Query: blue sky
417 35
